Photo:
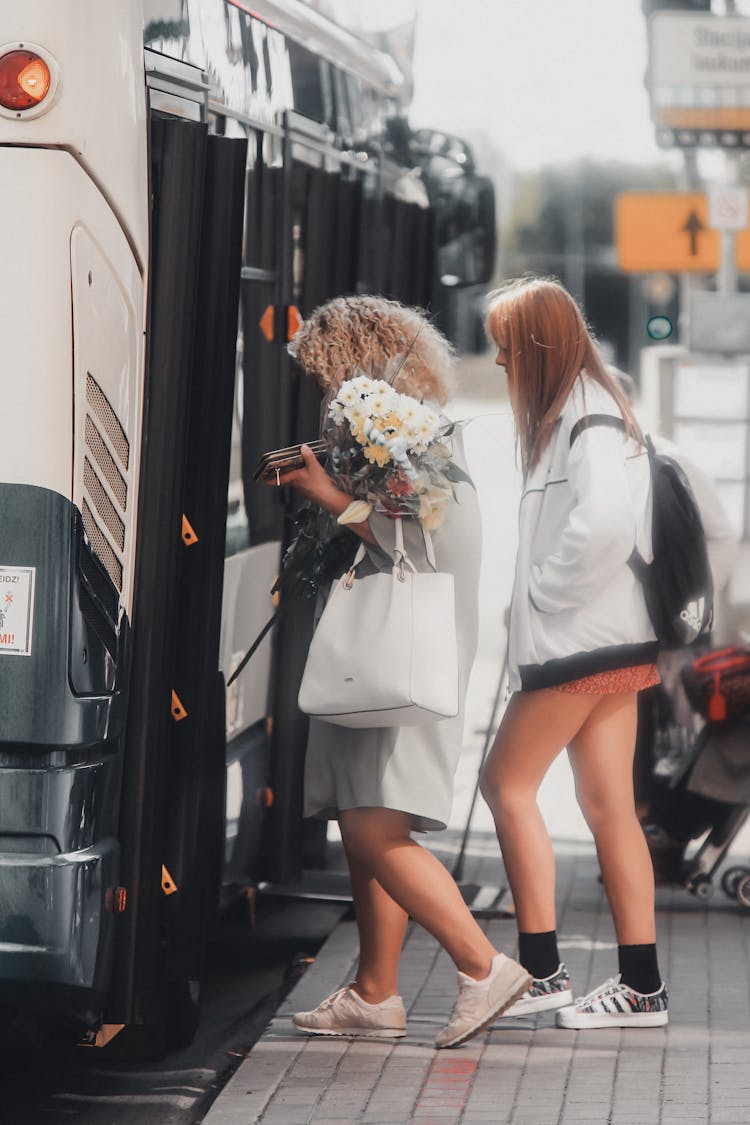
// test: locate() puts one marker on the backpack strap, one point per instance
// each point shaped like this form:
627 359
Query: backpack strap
615 422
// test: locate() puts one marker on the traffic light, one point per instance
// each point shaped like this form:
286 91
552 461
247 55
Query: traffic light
651 6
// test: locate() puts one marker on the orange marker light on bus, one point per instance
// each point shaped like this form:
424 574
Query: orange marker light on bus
25 80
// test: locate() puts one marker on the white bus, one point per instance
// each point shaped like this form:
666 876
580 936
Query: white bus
180 181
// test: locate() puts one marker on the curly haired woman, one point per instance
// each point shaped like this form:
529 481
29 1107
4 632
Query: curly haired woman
383 784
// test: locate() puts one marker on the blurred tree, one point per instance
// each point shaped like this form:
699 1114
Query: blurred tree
539 220
561 224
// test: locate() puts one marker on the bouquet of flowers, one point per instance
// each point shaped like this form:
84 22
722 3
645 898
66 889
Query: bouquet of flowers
389 452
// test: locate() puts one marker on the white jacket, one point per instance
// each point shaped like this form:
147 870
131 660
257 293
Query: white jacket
577 606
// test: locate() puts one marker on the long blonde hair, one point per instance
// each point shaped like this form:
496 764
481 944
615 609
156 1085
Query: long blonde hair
376 336
539 326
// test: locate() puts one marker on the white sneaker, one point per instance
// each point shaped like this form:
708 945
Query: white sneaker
481 1001
545 994
614 1004
346 1013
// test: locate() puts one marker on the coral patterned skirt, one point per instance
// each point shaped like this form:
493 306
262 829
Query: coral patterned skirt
612 683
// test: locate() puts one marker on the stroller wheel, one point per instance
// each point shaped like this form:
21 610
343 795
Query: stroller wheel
701 886
743 892
731 878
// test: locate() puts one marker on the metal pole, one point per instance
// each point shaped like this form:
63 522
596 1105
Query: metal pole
726 279
691 182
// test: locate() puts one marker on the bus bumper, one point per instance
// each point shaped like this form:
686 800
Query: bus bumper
56 932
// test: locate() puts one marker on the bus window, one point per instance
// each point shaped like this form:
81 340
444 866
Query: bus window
221 55
357 101
282 92
310 82
250 51
236 76
166 27
342 111
235 43
269 72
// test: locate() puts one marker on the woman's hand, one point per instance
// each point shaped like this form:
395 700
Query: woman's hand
314 483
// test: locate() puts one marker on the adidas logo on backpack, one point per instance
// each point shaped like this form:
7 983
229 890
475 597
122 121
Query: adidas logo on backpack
694 615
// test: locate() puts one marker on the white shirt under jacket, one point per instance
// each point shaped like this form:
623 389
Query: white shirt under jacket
577 606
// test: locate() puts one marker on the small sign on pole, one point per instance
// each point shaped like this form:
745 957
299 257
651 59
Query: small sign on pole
727 208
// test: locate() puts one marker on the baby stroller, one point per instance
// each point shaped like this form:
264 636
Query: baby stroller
700 727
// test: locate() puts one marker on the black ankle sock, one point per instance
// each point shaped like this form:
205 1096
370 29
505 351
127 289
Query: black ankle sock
639 968
538 953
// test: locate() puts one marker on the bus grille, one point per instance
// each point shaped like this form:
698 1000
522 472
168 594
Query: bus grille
101 546
99 403
106 463
108 448
103 505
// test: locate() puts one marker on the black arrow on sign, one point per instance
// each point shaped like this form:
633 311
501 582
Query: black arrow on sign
693 225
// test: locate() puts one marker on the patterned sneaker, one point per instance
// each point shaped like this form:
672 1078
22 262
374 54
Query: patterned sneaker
347 1014
482 1001
545 993
613 1004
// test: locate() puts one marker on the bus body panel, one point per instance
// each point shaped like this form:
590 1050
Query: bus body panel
35 320
66 246
99 111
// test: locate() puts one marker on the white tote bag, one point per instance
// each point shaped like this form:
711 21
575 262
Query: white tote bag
384 653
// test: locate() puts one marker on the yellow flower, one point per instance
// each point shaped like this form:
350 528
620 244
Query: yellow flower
377 454
392 422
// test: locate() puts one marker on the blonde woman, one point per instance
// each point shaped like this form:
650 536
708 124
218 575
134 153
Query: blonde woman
383 784
581 646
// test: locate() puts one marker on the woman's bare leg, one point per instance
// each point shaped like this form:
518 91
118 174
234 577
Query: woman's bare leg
536 726
379 841
381 925
601 755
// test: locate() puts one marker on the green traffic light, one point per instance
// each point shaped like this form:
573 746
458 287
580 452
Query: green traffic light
659 327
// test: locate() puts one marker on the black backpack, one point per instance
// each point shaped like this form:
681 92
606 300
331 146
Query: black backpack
677 585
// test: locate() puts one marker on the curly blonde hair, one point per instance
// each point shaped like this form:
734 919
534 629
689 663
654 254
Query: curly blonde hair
373 334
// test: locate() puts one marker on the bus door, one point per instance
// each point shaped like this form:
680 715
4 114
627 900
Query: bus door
256 516
172 803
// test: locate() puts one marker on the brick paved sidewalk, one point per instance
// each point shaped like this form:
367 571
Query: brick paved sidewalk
696 1071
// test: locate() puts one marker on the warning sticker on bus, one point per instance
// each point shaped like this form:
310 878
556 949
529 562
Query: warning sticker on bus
16 609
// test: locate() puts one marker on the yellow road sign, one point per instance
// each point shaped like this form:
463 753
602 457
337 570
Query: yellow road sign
670 232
